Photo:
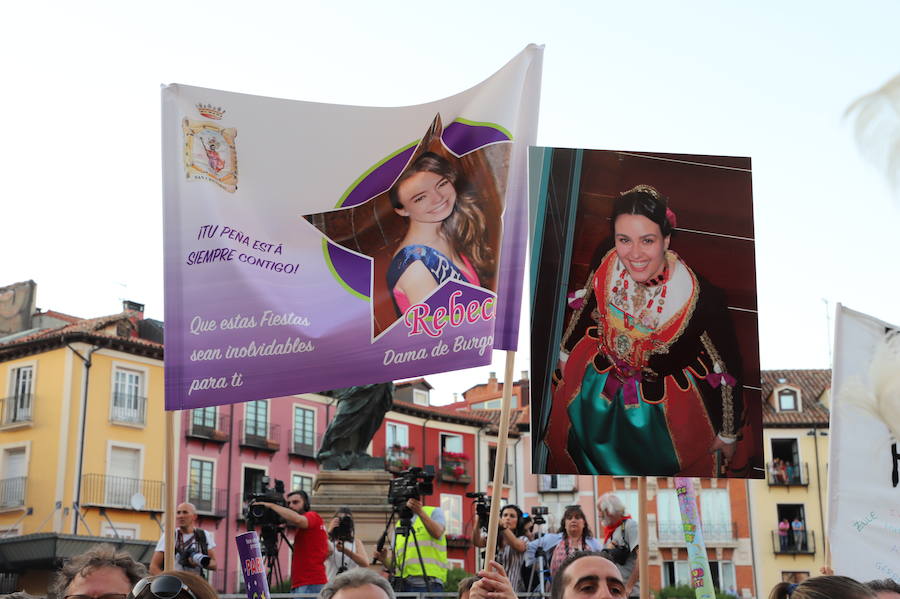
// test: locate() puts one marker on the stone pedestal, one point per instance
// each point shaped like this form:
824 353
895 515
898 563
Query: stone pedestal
363 491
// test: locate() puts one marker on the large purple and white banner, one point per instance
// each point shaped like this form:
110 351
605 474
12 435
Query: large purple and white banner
315 246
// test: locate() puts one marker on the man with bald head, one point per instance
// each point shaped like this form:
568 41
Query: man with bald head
587 575
194 547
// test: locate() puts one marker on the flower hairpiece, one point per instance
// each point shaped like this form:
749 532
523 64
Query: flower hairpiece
670 216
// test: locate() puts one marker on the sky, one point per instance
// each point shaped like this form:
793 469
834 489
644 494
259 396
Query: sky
81 172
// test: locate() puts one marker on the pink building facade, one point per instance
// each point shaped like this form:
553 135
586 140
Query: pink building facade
226 451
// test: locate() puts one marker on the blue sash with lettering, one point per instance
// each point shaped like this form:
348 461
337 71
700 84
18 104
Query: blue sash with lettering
440 266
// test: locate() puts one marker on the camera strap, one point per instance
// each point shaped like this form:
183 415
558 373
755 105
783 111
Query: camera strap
200 537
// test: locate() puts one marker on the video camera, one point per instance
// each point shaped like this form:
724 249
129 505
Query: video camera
482 505
537 514
260 515
412 483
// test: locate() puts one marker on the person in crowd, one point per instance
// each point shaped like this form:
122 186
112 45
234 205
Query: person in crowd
783 528
173 584
791 473
649 360
346 553
194 547
823 587
492 583
428 533
464 586
447 234
528 526
99 571
511 543
781 469
310 542
885 589
574 535
620 540
360 583
587 575
799 533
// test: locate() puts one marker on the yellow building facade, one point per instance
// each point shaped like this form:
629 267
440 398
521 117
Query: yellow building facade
788 507
81 440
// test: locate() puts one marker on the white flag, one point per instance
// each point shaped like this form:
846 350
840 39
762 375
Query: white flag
864 482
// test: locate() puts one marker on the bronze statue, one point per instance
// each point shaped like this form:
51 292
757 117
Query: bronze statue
360 411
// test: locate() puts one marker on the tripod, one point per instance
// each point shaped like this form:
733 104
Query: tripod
404 529
539 564
270 539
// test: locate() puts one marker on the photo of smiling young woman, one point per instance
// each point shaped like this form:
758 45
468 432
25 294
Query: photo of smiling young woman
444 225
649 371
440 220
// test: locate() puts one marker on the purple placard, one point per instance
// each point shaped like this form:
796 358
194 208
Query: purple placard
280 237
253 566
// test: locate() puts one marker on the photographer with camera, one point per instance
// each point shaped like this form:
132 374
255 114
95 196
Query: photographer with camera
194 547
511 538
419 564
310 542
347 552
620 540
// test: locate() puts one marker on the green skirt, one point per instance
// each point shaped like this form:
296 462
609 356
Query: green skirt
606 437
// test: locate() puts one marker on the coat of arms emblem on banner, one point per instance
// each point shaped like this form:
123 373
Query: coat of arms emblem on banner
209 150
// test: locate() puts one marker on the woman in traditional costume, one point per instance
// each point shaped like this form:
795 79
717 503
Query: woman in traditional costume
447 232
649 369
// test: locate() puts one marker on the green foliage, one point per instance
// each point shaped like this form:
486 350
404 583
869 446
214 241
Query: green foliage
284 587
453 578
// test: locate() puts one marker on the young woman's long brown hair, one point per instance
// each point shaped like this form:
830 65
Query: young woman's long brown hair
466 227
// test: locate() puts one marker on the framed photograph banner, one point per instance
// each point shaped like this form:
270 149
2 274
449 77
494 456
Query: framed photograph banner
645 351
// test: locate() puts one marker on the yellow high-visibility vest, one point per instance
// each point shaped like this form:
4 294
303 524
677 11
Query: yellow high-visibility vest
433 551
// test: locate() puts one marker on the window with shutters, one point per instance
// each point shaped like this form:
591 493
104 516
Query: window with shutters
200 484
15 475
123 476
17 407
128 400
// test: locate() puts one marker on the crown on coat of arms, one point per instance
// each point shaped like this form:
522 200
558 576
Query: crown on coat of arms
211 112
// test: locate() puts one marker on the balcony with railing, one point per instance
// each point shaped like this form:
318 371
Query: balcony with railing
207 501
12 492
256 435
714 533
103 490
557 483
794 543
207 427
794 476
398 458
302 443
128 409
16 411
454 468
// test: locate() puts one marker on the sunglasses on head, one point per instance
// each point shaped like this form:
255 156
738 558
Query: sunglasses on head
165 586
